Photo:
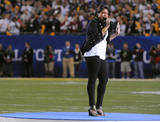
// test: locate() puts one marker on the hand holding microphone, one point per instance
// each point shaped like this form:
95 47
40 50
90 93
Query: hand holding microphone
108 21
107 25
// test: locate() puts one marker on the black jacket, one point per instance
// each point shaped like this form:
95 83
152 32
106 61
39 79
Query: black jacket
94 35
138 54
2 54
28 56
9 55
77 56
125 55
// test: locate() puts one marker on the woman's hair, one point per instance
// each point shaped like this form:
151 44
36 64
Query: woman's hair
103 7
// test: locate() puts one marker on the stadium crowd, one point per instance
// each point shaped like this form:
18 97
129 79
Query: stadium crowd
140 17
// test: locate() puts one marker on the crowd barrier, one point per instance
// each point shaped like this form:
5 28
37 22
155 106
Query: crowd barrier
39 42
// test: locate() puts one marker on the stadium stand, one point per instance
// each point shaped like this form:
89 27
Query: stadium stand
138 17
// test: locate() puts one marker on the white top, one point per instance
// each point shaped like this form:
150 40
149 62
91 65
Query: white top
14 27
3 25
99 49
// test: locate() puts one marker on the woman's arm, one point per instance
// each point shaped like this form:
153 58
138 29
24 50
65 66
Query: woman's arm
117 32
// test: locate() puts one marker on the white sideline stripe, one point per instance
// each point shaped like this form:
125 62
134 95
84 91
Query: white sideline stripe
3 119
78 79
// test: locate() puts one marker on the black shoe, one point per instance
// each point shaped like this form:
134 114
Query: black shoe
100 112
92 111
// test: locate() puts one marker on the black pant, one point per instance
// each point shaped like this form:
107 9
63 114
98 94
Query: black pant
77 70
96 68
28 71
8 70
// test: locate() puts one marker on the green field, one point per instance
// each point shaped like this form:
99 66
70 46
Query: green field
62 95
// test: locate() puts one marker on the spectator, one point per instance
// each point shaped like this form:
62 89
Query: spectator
54 24
138 61
158 61
25 16
125 56
26 6
147 26
122 28
156 24
2 54
33 24
73 25
77 59
139 26
4 24
153 55
14 27
49 61
27 58
111 60
45 23
68 61
9 55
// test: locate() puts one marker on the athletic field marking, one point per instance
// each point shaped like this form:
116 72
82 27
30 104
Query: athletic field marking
147 92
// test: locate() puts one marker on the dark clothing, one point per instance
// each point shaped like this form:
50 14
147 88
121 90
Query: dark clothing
2 53
77 61
77 70
68 52
96 68
77 56
111 62
138 54
9 55
49 62
48 56
153 55
28 71
125 55
33 25
28 55
94 35
27 59
155 62
138 63
54 25
110 54
111 69
46 24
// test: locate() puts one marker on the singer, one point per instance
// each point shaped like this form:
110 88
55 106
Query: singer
94 51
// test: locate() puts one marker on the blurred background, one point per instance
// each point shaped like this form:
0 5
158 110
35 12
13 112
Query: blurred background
35 36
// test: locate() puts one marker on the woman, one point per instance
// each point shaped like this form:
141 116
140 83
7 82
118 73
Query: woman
94 50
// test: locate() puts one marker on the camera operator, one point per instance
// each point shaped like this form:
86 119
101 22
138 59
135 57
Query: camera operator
49 61
153 55
138 61
9 55
27 59
2 54
94 50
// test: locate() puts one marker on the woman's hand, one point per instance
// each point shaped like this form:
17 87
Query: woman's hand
116 33
104 30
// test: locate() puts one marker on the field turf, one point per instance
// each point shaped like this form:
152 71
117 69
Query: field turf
70 95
